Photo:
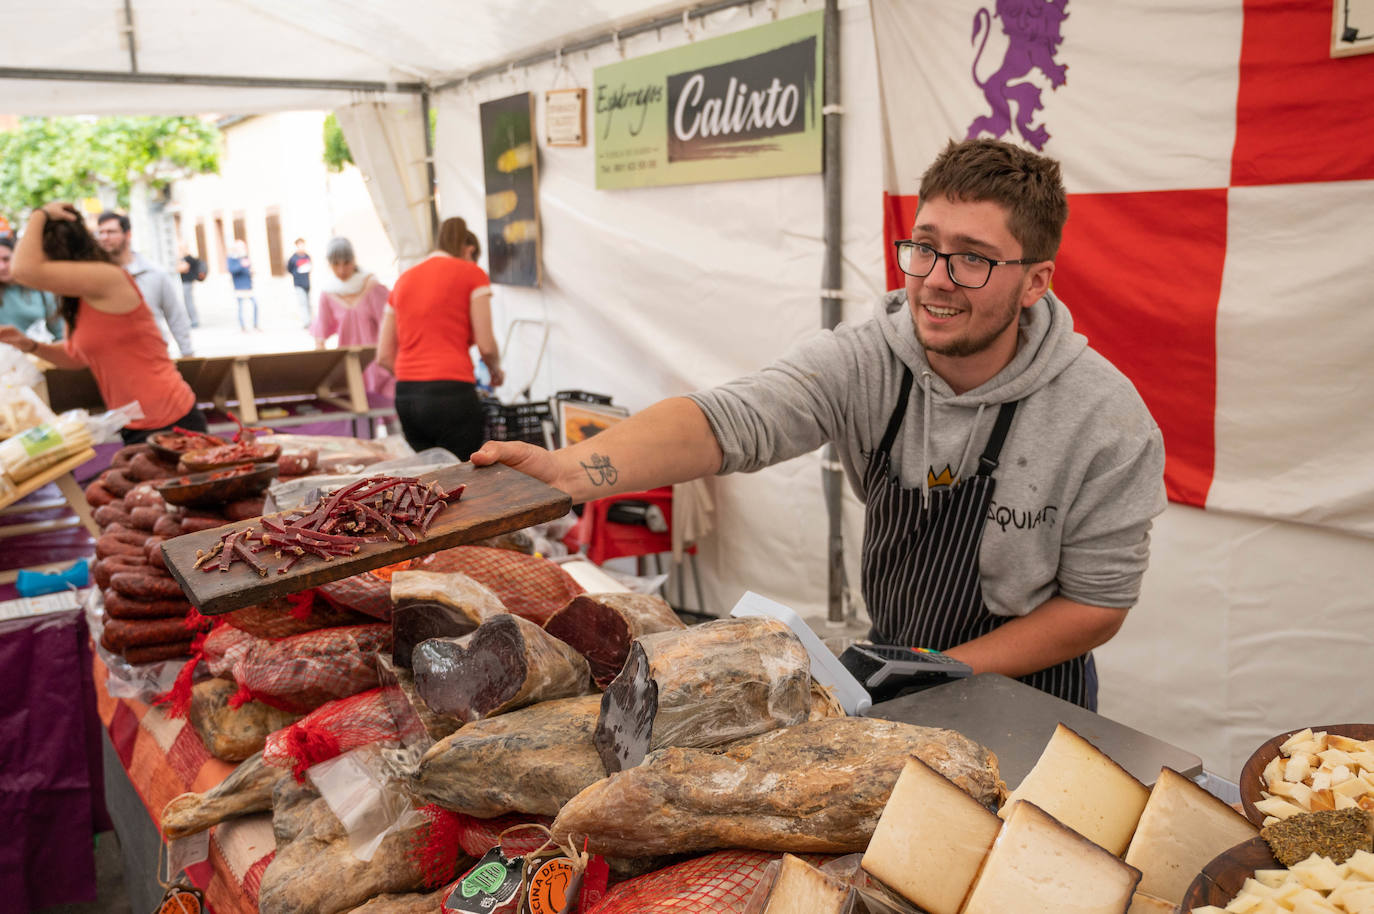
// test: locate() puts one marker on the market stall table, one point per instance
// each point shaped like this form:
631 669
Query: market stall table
61 475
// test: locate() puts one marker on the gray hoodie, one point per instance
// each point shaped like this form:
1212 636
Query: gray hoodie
1081 472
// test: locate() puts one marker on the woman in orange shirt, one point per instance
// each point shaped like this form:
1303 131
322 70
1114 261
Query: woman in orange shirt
109 328
438 309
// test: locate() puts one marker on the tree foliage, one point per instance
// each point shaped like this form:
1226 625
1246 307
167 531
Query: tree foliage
336 151
67 158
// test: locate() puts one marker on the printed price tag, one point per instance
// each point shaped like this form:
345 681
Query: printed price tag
40 439
489 886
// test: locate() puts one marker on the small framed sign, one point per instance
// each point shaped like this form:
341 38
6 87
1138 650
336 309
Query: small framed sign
565 117
1352 27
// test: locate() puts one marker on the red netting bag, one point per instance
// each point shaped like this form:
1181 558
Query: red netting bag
719 883
331 730
368 593
528 585
292 615
300 673
453 834
224 647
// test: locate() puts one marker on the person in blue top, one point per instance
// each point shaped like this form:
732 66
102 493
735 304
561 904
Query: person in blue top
242 272
299 266
21 306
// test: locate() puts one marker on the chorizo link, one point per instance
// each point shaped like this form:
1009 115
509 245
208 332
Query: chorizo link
112 513
97 496
152 653
146 585
122 633
119 606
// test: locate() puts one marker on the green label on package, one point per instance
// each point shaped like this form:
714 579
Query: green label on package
492 883
40 439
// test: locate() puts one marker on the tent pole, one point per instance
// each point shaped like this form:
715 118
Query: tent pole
832 300
431 182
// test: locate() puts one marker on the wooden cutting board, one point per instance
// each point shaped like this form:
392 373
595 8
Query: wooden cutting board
497 500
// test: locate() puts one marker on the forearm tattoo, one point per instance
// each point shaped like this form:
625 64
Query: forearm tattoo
600 471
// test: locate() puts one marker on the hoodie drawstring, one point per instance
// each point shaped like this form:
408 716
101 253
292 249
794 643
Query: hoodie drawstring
968 446
925 443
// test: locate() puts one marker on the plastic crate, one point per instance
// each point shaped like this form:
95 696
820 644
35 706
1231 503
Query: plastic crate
517 421
583 397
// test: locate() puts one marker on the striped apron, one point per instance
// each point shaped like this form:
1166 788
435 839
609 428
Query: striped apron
920 563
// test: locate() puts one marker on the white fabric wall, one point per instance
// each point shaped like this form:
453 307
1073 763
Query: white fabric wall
388 144
659 291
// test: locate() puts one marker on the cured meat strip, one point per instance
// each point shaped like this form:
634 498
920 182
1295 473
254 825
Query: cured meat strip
601 627
544 754
248 789
817 787
232 734
507 663
704 686
428 604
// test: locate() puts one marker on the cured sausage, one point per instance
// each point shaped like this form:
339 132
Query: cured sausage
197 524
146 585
507 663
248 789
601 627
116 482
144 495
119 606
124 633
298 463
152 549
544 754
146 468
145 518
97 496
428 604
704 686
113 564
111 543
818 787
244 508
122 456
167 526
113 513
152 653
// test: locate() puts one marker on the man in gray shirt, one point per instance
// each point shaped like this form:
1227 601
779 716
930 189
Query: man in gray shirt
159 289
1009 472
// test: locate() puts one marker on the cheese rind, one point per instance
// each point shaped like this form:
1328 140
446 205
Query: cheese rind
1083 788
1148 904
1038 865
802 889
931 840
1181 830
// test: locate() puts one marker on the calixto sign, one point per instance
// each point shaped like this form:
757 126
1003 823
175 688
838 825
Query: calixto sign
745 105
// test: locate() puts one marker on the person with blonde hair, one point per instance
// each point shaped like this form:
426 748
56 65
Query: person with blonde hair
438 310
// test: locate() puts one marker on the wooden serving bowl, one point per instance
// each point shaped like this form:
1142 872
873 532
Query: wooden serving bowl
199 489
165 445
1220 880
1251 776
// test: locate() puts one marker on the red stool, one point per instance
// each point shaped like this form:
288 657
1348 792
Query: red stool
606 539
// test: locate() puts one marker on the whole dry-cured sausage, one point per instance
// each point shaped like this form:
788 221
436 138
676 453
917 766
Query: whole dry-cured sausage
110 544
145 518
244 508
115 480
167 526
97 496
147 468
298 463
152 550
113 564
152 653
112 513
144 495
124 633
147 585
122 456
197 524
119 606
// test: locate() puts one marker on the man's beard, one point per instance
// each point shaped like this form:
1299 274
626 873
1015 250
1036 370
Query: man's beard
972 345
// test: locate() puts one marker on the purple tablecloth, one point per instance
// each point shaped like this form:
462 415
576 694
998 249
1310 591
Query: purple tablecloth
52 793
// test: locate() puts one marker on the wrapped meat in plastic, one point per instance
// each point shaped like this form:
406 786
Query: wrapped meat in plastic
428 604
507 663
543 753
248 789
232 734
527 585
817 787
293 807
304 671
601 626
704 686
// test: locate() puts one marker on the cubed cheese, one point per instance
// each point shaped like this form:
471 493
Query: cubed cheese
802 889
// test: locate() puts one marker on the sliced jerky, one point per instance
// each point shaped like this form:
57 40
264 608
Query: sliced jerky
507 663
704 686
232 734
428 604
532 760
601 626
818 787
248 789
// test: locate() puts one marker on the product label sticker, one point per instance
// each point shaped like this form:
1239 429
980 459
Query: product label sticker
550 887
40 439
492 883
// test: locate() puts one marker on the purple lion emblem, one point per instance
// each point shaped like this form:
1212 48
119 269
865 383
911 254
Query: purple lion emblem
1033 29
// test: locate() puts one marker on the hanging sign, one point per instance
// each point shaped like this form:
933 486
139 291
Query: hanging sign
565 117
744 105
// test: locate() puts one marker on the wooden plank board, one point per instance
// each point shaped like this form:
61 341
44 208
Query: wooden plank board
497 500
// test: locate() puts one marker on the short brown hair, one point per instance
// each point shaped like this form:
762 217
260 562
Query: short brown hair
1029 186
453 232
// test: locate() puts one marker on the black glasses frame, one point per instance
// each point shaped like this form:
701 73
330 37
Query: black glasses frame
949 269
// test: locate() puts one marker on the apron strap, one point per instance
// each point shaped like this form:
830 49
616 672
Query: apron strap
987 463
898 414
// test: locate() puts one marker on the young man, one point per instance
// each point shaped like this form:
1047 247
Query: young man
192 270
1009 472
298 265
158 288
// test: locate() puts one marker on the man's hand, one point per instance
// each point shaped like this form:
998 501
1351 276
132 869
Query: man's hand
498 376
529 459
14 337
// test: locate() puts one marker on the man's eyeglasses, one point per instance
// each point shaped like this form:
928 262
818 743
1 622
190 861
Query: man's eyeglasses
965 268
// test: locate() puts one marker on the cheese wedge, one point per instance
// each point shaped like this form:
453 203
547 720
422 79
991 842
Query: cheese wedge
1040 866
931 840
1181 830
1083 788
802 889
1148 904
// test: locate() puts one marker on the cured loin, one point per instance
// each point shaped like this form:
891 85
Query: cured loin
416 723
428 604
819 786
248 789
601 626
232 734
507 663
704 686
532 760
